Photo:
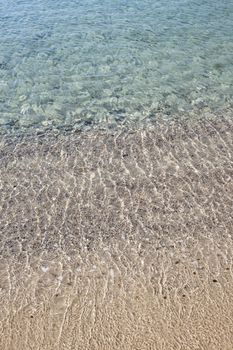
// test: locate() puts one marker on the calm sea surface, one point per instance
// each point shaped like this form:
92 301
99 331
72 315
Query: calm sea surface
119 236
102 62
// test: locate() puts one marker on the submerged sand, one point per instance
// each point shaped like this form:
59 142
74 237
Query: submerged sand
118 240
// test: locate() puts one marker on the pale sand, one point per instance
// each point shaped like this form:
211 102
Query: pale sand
118 240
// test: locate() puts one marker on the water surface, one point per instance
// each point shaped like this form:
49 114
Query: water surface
118 238
92 62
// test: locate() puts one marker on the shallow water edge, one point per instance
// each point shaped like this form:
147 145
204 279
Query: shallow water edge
118 239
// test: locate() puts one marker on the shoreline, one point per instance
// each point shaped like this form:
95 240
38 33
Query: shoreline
118 240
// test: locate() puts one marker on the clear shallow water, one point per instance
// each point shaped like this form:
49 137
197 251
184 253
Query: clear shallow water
92 62
106 232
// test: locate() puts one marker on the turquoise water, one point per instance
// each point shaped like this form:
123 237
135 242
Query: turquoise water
103 62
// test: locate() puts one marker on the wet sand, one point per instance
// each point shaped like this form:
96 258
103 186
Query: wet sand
118 239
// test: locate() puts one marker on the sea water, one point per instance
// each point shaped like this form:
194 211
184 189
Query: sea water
118 238
102 62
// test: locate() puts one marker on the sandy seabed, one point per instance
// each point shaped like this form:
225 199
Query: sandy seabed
118 239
